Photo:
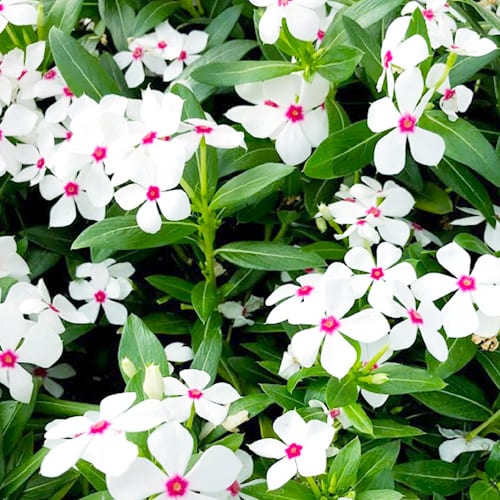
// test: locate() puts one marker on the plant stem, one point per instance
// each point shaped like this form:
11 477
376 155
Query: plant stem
13 36
474 432
369 366
314 486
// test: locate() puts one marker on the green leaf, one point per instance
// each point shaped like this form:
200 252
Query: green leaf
17 477
152 14
290 490
204 299
338 65
490 361
229 74
403 380
465 183
461 399
119 18
342 152
58 241
303 373
341 392
253 404
359 419
482 490
167 323
47 405
81 70
140 345
231 160
249 187
220 28
379 495
192 107
492 465
281 396
466 67
100 495
344 468
54 488
330 250
433 199
123 233
14 417
460 352
178 288
365 41
208 353
63 14
375 461
268 256
432 476
111 68
92 475
472 244
465 144
387 428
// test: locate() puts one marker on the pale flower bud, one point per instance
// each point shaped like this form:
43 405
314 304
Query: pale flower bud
128 367
233 421
153 382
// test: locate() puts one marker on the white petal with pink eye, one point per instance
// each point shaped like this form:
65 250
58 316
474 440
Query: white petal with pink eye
20 14
216 470
97 184
270 24
403 335
222 393
126 486
433 286
426 147
337 355
373 399
268 448
87 209
67 428
394 231
196 42
173 387
63 213
459 316
148 218
290 427
367 325
116 404
397 203
313 94
454 259
225 137
280 472
64 456
339 297
115 312
360 259
487 269
387 255
390 153
311 462
174 205
90 311
435 343
431 314
410 52
260 121
403 272
382 115
306 344
302 22
131 196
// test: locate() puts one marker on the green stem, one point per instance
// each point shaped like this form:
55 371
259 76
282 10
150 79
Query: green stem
13 36
450 61
314 486
189 423
282 231
474 432
369 366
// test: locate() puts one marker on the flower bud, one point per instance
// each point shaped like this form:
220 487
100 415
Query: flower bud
128 367
153 382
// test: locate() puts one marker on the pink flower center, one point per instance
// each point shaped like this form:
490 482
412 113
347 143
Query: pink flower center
415 317
176 486
162 44
137 53
1 7
466 283
23 72
183 55
407 123
53 308
283 3
361 222
416 227
71 189
428 14
387 58
329 325
99 153
149 138
153 193
234 489
334 412
40 372
377 273
449 94
320 35
50 75
195 394
99 427
304 291
8 359
374 211
69 135
40 163
67 92
100 296
271 104
295 113
293 451
203 129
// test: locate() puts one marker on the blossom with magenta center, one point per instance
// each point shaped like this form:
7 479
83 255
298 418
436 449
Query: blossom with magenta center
8 359
295 113
293 450
176 487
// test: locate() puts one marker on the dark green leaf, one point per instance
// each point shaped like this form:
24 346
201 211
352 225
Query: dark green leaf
63 14
490 361
460 352
92 475
123 233
204 299
167 323
281 396
303 373
344 468
290 490
466 67
119 18
178 288
433 199
152 14
208 353
386 428
359 419
379 495
192 107
232 160
341 392
472 243
375 461
47 405
492 466
253 404
220 28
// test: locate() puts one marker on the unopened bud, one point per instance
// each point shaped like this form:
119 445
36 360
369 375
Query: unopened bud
153 382
233 421
321 224
128 367
375 378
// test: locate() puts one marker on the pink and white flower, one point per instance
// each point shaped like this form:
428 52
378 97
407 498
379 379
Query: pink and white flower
468 43
17 12
491 234
458 442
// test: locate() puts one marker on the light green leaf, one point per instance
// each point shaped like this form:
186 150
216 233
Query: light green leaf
472 243
433 199
123 233
375 461
268 256
338 65
344 468
460 352
303 373
92 475
359 419
208 353
281 396
204 299
341 392
379 495
482 490
249 187
220 27
290 490
63 14
47 405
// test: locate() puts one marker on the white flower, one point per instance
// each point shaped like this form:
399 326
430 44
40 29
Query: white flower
288 109
99 436
177 352
423 236
468 43
477 287
390 151
215 470
11 263
239 313
18 12
491 234
289 364
59 372
332 414
302 19
210 402
302 449
457 443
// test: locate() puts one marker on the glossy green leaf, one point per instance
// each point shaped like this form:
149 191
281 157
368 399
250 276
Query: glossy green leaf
92 475
249 187
492 465
490 361
47 405
281 396
229 74
359 419
460 352
472 243
252 403
192 107
220 27
433 199
79 68
343 152
268 256
123 233
467 67
482 490
341 392
208 353
177 287
204 299
167 323
63 14
287 492
119 18
344 468
338 65
152 14
375 461
465 144
379 495
304 373
387 428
